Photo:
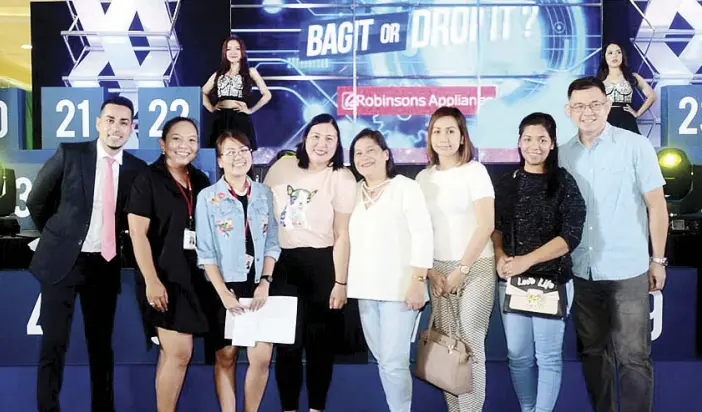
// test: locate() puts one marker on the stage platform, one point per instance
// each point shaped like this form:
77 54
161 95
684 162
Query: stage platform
355 388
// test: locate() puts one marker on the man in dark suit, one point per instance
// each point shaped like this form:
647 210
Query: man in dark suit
76 204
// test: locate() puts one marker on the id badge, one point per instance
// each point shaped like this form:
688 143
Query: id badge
248 262
189 239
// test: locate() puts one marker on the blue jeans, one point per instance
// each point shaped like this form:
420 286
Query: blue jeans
532 338
388 328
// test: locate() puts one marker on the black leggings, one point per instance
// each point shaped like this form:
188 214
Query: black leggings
308 274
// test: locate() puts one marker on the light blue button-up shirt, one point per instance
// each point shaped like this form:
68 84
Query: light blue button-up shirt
613 176
219 225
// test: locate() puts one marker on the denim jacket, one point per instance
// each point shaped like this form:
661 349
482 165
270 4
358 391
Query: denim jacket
219 229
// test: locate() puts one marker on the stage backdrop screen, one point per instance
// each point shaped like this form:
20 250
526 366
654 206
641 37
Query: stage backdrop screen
378 64
384 66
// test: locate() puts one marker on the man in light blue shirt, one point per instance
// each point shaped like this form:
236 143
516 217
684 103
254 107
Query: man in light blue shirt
618 175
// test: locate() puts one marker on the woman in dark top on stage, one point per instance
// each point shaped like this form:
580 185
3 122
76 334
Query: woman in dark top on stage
620 83
170 287
541 206
232 83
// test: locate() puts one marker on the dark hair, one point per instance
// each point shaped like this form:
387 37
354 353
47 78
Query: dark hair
303 159
119 101
225 65
169 125
379 139
551 163
603 69
584 83
466 150
233 135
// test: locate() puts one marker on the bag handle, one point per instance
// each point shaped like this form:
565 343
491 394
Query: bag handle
454 313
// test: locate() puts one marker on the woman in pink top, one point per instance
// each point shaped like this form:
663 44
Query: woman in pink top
313 196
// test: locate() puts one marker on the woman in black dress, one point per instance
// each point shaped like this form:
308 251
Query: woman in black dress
170 287
620 83
232 83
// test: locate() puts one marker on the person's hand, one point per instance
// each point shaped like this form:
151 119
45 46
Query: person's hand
437 283
241 107
415 294
219 106
231 303
501 266
156 295
454 281
629 109
337 299
656 277
516 266
260 295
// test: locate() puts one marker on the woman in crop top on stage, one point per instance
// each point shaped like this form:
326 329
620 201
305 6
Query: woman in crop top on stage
620 83
232 84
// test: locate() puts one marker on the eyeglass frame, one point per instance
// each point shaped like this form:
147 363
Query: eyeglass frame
241 152
577 109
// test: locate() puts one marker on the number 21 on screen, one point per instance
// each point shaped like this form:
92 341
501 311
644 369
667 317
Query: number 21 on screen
70 108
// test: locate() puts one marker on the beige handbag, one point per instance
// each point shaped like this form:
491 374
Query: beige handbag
443 360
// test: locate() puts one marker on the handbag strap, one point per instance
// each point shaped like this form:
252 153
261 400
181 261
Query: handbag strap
454 313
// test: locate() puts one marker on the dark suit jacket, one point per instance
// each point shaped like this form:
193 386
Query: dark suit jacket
61 204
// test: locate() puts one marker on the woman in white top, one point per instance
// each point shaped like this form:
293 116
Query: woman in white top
391 249
461 199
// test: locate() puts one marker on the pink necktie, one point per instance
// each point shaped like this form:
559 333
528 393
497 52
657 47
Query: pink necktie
107 237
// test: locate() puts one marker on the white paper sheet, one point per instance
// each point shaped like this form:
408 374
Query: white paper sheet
273 323
33 244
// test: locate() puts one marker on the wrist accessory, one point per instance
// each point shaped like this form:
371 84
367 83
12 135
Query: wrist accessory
663 261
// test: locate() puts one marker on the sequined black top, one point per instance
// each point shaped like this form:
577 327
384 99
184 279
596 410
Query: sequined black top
524 211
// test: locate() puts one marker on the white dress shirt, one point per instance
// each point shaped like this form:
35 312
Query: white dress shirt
92 242
388 240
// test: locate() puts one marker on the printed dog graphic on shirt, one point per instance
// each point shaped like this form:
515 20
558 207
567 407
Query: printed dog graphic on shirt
293 215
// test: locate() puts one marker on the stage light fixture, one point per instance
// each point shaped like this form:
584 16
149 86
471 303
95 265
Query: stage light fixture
677 172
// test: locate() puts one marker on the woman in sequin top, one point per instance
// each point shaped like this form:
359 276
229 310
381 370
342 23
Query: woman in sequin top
232 85
539 218
620 83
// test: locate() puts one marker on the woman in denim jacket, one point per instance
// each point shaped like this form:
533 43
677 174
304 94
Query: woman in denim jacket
237 244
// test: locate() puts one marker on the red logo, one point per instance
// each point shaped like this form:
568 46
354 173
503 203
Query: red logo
420 100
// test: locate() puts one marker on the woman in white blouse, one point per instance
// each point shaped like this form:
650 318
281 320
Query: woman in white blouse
461 201
391 249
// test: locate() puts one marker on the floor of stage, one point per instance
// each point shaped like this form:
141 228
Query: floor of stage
355 388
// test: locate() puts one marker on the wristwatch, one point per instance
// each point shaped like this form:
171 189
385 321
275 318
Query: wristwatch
663 261
267 278
464 269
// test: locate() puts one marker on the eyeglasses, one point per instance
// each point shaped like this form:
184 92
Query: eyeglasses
241 152
594 106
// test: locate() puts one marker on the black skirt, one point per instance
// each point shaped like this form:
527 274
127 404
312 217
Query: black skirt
620 118
233 120
217 315
187 308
